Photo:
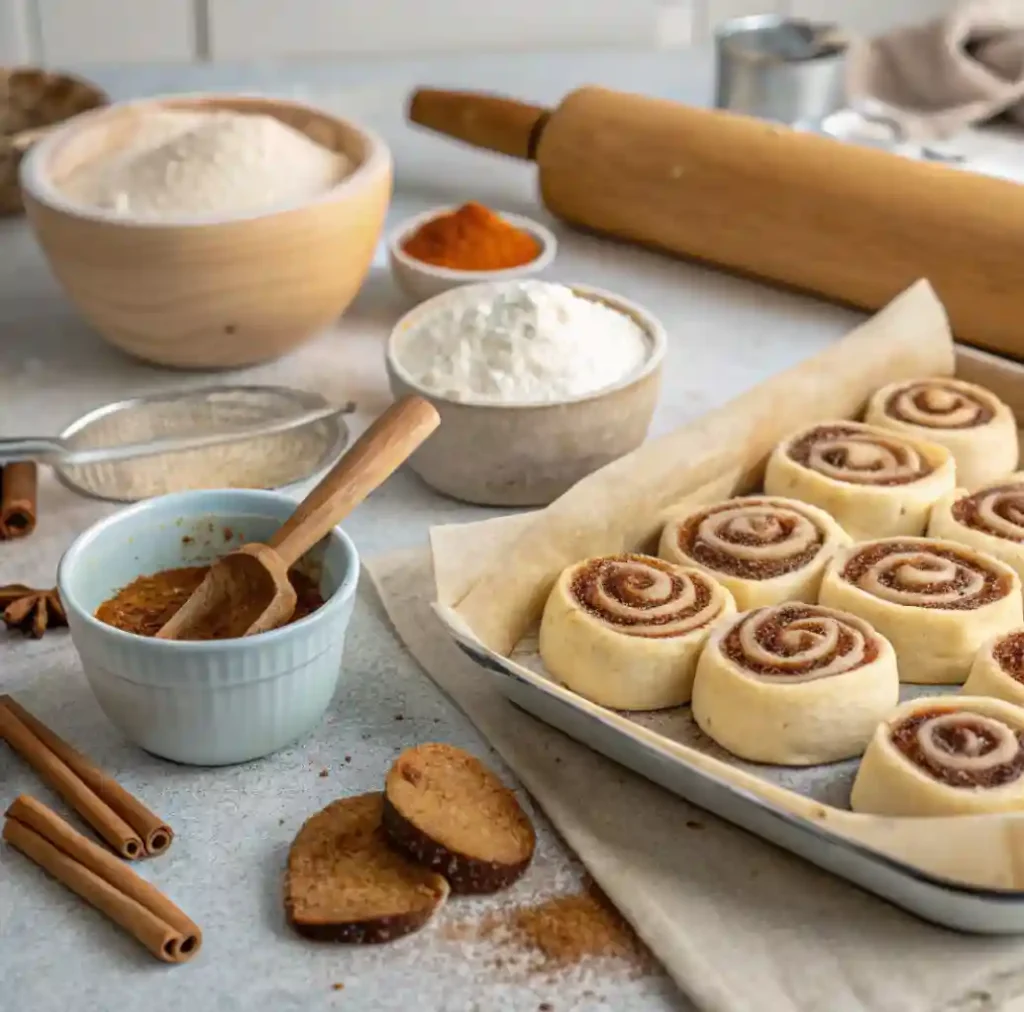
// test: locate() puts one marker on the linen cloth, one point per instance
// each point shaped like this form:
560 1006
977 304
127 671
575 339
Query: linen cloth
937 78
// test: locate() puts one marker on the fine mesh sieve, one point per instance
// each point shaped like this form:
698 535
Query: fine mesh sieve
248 461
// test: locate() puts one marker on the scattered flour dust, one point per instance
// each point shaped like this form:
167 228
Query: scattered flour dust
522 342
180 163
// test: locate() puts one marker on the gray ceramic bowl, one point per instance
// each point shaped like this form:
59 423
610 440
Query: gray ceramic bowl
205 703
529 454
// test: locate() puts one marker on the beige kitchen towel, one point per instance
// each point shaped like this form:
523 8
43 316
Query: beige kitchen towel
937 78
740 925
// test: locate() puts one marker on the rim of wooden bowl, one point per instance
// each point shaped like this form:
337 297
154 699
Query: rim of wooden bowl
37 184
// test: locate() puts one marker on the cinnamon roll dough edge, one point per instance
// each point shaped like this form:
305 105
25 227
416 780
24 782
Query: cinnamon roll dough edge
934 646
792 723
943 524
889 783
864 511
800 584
983 453
989 678
615 669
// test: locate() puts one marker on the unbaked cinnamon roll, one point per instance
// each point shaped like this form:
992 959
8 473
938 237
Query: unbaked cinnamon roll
998 669
874 482
948 755
937 602
625 630
970 421
794 684
991 520
765 550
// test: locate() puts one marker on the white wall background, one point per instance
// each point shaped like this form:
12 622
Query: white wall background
105 31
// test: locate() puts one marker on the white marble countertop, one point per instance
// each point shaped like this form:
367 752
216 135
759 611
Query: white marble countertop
235 824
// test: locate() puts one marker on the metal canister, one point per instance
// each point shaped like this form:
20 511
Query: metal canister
779 68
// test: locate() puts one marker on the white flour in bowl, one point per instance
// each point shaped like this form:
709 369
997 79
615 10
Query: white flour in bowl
181 163
522 342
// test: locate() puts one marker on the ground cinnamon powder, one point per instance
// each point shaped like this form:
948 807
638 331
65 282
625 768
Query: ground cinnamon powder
558 934
146 604
472 238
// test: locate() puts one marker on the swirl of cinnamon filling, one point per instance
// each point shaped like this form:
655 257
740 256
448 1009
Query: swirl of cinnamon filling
859 455
1008 653
961 748
940 404
642 596
755 538
919 574
997 510
800 643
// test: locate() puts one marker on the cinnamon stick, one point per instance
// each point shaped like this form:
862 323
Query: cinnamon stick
102 880
19 488
107 823
155 833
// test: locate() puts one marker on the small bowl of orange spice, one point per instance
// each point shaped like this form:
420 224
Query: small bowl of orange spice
452 246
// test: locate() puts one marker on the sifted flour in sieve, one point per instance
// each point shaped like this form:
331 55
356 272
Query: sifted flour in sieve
522 342
179 163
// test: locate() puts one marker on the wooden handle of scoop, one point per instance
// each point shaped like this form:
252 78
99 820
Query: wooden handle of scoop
485 121
374 457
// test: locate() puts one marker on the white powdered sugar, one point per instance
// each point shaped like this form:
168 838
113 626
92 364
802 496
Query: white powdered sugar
179 163
523 342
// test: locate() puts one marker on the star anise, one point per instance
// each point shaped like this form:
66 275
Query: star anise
30 610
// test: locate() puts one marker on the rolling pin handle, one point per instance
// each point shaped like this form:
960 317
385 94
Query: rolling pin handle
485 121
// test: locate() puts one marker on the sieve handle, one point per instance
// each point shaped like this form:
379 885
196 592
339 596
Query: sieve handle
41 449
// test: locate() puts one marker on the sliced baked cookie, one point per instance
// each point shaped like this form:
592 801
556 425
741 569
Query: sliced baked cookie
449 812
344 882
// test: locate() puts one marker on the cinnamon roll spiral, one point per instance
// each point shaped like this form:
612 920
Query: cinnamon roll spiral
874 482
944 756
936 601
990 520
625 630
970 421
765 550
794 684
998 669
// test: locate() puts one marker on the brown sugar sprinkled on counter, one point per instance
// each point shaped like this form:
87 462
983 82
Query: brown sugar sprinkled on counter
448 811
558 934
472 238
147 603
566 930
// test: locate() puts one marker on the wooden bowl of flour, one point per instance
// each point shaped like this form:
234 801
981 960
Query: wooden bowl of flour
210 290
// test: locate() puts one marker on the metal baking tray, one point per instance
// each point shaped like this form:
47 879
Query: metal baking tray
647 744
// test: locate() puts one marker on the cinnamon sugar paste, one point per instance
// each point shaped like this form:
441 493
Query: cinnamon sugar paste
905 738
1009 655
770 637
996 585
721 561
147 603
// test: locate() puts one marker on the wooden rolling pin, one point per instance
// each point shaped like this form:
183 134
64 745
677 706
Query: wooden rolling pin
853 224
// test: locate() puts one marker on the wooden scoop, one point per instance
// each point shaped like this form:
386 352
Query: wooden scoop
248 591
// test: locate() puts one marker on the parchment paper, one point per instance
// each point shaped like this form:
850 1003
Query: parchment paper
739 924
624 505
